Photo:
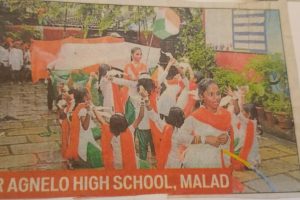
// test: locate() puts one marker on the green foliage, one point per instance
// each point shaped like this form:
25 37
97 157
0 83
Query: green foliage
192 43
225 78
257 93
266 65
261 92
278 103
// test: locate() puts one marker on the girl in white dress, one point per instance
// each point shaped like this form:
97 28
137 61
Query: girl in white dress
213 126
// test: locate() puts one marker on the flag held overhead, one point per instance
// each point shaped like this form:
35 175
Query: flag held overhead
167 23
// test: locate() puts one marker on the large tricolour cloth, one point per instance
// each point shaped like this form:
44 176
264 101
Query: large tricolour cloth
73 54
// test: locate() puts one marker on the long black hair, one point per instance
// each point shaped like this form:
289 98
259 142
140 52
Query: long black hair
117 124
79 95
250 108
147 83
198 76
176 117
204 84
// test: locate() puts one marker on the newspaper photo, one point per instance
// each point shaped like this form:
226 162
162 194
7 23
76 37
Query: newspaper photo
115 100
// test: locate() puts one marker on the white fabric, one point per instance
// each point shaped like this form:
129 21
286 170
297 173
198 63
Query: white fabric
203 155
115 54
16 59
4 56
86 136
173 160
135 99
106 89
117 151
254 156
178 139
183 98
167 99
156 119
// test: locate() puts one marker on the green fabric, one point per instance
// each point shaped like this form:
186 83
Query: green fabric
94 156
81 76
159 29
144 164
144 138
235 143
129 112
96 132
60 76
96 98
79 79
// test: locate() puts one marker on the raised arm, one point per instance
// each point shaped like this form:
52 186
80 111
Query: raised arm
99 117
235 102
163 76
123 82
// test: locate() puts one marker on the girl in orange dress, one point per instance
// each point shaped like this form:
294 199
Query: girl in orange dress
135 67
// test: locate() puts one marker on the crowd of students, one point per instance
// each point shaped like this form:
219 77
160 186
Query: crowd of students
174 113
15 64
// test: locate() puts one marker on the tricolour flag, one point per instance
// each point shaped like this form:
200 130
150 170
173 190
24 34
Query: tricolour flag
167 23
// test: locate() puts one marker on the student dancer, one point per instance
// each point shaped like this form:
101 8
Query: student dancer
135 67
214 128
146 132
118 140
174 82
189 95
83 147
247 147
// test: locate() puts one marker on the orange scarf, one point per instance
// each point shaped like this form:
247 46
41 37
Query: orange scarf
165 146
245 150
220 120
118 104
135 70
127 148
65 127
72 151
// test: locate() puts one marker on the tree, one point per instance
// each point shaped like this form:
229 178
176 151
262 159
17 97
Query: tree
192 43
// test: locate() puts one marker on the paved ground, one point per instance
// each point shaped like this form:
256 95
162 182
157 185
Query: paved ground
32 142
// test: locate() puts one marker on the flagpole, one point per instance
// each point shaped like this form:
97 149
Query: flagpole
149 47
151 39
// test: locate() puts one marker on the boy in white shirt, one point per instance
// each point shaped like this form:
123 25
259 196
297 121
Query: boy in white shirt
15 61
